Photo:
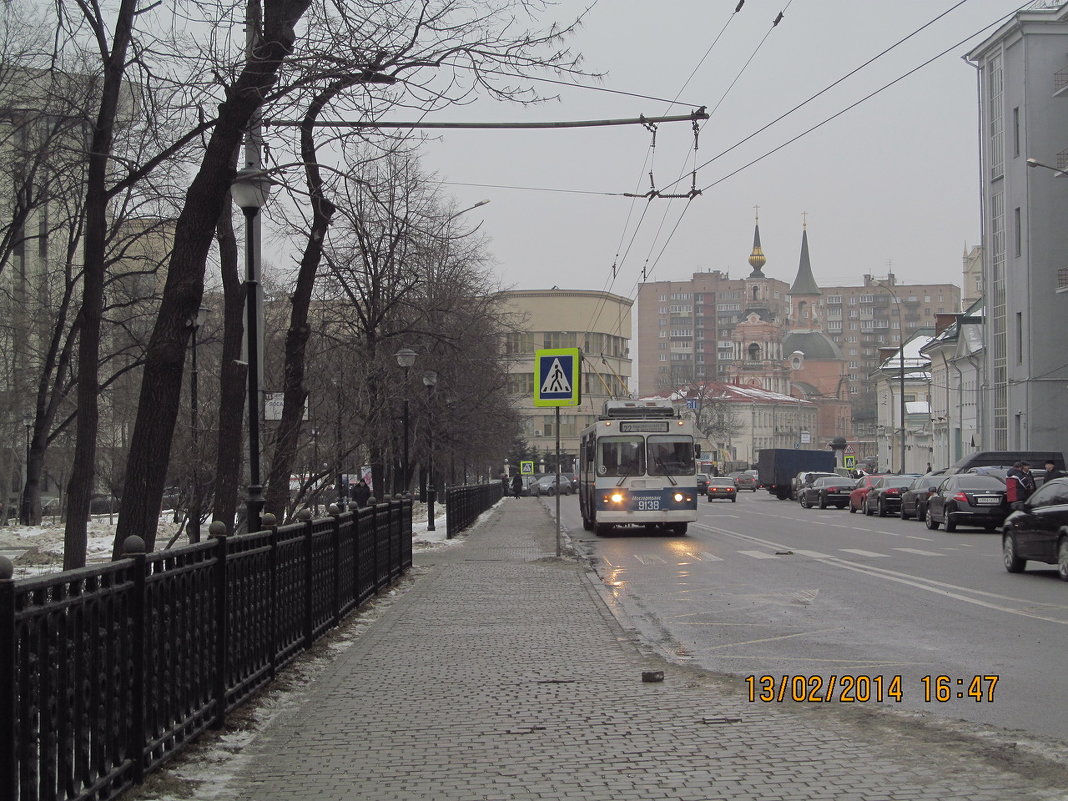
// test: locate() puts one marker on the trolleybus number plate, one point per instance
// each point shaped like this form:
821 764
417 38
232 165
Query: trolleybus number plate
648 504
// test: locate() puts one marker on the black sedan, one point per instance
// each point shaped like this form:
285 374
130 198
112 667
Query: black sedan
1039 530
826 491
914 499
885 497
702 484
968 499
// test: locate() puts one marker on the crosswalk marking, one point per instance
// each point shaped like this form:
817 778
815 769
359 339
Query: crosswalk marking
758 554
859 552
813 554
919 551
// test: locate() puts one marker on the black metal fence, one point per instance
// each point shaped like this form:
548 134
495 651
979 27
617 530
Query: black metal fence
108 670
464 504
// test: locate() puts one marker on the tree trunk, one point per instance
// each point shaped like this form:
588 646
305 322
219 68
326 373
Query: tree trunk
232 378
83 473
158 405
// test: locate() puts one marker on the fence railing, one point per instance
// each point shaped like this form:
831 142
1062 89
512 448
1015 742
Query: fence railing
464 504
107 671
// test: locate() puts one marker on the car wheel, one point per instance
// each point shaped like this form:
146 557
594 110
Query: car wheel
882 509
803 501
733 500
823 503
867 510
852 508
901 513
951 526
932 524
1013 563
1062 559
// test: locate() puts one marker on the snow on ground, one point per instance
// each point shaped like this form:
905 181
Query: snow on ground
39 549
200 771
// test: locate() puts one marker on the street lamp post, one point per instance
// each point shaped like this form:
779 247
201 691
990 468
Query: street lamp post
901 369
405 358
250 190
430 380
24 513
193 524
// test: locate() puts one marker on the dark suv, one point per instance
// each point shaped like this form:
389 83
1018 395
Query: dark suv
1039 530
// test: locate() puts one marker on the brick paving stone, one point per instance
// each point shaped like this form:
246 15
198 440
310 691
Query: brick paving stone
499 674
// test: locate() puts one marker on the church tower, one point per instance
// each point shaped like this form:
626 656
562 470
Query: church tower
805 295
758 356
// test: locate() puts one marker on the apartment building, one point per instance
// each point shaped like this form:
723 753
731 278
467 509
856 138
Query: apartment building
1022 73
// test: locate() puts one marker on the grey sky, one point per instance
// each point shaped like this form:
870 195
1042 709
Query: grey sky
893 181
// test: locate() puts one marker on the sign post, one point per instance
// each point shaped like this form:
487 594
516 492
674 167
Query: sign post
557 380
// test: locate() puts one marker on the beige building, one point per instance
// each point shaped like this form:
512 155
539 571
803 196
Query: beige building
598 323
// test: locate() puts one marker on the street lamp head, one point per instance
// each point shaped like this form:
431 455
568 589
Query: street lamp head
250 189
430 379
405 357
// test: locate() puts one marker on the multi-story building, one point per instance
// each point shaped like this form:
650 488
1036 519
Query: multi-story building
676 319
1023 123
902 384
596 322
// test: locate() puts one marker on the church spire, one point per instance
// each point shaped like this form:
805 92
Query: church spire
804 283
757 259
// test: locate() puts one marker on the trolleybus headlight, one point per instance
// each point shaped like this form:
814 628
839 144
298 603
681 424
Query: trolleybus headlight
679 497
616 497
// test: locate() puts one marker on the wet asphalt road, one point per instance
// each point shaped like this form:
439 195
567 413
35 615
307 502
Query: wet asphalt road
764 588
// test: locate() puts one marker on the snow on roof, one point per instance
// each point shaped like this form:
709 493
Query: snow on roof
917 407
913 357
714 390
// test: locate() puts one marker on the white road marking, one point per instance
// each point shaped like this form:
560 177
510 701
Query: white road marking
758 554
859 552
919 551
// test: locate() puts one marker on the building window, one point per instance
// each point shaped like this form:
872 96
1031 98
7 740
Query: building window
995 77
754 352
1019 337
1017 231
1016 132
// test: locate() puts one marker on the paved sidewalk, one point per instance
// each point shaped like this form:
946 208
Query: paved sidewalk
500 674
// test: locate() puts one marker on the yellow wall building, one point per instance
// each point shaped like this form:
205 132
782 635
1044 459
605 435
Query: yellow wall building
598 323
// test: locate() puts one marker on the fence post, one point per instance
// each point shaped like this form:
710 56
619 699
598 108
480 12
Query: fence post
309 576
133 548
273 601
8 764
218 532
336 567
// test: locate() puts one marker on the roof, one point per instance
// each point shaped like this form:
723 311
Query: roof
740 393
804 283
914 358
814 344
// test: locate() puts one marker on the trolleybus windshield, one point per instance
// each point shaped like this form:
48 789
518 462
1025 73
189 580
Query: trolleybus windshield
671 456
621 456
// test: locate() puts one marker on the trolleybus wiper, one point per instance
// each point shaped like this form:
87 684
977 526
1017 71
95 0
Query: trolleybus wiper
663 467
626 472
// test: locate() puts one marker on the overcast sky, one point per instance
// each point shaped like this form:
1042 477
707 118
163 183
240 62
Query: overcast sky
890 184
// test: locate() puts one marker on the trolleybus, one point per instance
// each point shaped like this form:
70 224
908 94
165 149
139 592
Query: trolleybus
637 467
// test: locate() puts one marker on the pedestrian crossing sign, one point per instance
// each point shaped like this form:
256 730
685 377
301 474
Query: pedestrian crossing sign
557 377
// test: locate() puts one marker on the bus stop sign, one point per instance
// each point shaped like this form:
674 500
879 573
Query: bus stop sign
556 377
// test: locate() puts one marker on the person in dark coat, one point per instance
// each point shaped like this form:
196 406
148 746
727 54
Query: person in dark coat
361 493
517 485
1052 472
1019 484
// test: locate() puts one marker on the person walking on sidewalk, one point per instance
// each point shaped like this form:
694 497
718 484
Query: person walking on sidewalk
517 485
1052 472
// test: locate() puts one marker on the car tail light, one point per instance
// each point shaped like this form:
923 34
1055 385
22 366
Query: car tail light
960 496
893 491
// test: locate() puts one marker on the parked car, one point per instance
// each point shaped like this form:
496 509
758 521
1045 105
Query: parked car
860 491
805 479
1039 530
722 489
546 485
826 491
746 479
885 497
914 499
969 499
702 484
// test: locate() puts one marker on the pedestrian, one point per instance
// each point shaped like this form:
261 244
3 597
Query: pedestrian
928 470
1019 484
504 485
517 485
361 493
1052 472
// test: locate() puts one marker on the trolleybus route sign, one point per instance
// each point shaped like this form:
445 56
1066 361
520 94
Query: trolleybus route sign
556 377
